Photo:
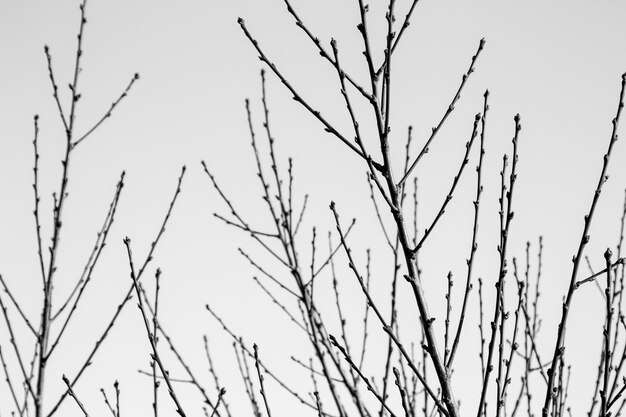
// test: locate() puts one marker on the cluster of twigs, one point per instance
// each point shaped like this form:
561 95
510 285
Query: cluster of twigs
407 382
58 311
508 344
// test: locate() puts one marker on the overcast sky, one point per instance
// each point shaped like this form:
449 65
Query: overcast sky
558 64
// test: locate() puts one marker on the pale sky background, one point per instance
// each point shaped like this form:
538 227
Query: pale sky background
557 63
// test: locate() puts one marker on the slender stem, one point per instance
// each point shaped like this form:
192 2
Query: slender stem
455 181
328 127
502 248
10 384
261 379
38 199
108 112
73 395
16 349
560 338
405 25
474 247
449 110
321 49
116 386
608 296
151 336
369 385
446 337
155 312
17 306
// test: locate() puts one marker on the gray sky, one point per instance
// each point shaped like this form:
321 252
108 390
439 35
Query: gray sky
558 64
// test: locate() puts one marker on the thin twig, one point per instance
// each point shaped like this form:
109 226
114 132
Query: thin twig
403 394
73 395
369 385
85 277
386 328
127 296
608 295
108 112
558 347
592 277
502 247
38 199
10 384
151 336
328 127
449 110
321 49
155 382
261 379
455 181
474 247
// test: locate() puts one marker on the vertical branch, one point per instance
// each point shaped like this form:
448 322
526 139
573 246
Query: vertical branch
481 329
318 403
403 394
244 370
527 335
284 214
560 338
502 247
37 199
395 249
262 387
367 308
355 124
514 345
342 320
446 351
214 374
619 303
608 295
405 25
155 382
386 97
116 386
57 215
536 321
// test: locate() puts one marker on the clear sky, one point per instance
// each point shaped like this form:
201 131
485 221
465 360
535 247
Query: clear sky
558 64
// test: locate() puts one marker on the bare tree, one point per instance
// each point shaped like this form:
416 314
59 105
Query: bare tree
46 335
501 358
345 372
